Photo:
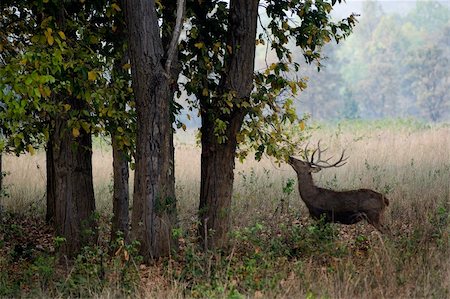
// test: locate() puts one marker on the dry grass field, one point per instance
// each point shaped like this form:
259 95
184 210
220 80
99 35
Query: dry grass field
285 254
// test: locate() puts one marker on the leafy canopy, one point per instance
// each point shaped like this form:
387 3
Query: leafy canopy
271 125
62 66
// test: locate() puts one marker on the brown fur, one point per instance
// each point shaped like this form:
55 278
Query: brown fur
346 207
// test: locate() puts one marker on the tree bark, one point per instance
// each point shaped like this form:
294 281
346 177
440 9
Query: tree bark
216 187
1 182
154 188
74 190
218 159
51 187
1 175
120 220
121 196
173 70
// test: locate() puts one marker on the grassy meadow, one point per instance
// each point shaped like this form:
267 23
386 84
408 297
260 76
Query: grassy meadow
273 252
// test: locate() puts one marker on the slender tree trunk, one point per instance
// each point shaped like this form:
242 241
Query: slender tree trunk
1 170
1 175
217 160
1 185
154 196
50 169
169 23
74 190
120 218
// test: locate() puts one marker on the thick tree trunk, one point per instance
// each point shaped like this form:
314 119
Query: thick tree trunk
216 188
217 160
154 197
50 169
120 220
74 190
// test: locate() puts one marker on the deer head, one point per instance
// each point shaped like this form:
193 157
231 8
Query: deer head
315 163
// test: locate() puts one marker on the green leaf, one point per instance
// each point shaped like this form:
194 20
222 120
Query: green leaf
116 7
199 45
30 149
75 132
62 35
92 76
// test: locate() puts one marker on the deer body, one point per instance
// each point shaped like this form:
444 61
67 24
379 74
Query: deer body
346 207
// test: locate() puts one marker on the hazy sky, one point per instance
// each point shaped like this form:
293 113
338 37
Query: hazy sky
389 6
382 0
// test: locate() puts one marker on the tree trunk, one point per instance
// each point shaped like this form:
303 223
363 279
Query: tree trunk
216 188
1 182
120 218
74 190
50 169
121 196
1 175
169 23
217 160
154 188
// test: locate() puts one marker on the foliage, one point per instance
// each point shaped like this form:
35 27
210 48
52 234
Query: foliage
33 268
94 270
259 252
429 80
268 257
54 68
270 113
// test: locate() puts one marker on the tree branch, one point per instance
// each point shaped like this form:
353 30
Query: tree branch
175 36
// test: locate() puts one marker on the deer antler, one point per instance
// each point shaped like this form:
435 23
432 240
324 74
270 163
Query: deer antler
325 163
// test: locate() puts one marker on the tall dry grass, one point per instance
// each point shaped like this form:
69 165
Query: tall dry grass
410 164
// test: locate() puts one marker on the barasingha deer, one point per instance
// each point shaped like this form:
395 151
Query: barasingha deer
346 207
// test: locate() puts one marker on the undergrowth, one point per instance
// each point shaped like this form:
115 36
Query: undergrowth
291 257
32 267
277 257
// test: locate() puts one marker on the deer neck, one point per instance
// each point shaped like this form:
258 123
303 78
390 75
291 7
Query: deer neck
306 187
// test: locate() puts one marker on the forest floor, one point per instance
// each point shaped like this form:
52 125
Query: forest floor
288 257
272 253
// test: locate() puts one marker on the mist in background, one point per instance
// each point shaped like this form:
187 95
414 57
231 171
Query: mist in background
394 65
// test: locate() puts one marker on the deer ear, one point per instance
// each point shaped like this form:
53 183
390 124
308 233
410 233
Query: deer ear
315 169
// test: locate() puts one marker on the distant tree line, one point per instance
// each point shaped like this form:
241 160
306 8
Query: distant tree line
391 66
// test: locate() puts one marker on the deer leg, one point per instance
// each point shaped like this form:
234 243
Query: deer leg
359 216
386 230
383 227
375 220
